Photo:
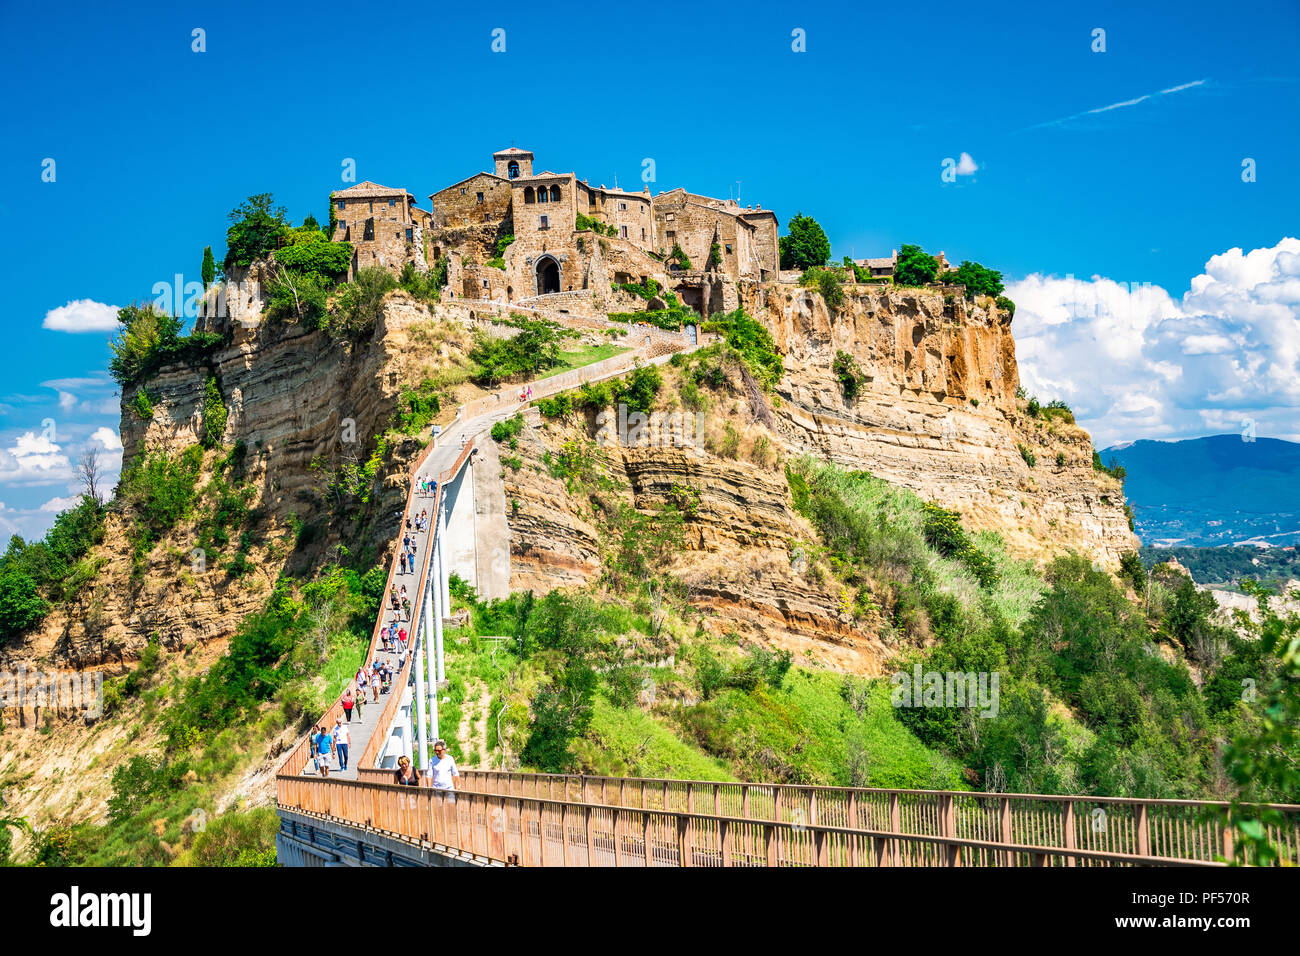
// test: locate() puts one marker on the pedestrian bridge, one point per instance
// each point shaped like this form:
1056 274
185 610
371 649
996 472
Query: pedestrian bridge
362 818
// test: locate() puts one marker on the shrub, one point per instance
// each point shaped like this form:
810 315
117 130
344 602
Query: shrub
827 282
358 304
556 407
944 533
150 339
1030 458
534 347
978 279
214 414
847 374
256 229
754 344
142 404
416 407
1006 305
508 429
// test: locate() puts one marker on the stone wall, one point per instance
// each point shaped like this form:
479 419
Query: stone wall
460 205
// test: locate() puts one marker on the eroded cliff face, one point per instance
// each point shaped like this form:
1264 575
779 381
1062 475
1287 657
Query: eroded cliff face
937 412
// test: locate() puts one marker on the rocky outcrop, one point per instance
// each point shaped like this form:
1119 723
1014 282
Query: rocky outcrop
937 412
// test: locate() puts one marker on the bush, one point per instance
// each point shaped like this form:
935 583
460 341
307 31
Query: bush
827 282
358 304
534 347
150 339
847 374
508 429
978 279
1030 458
1006 305
944 533
256 229
143 405
21 604
159 490
754 344
214 414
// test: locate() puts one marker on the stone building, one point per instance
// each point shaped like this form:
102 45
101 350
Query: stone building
382 224
512 233
743 239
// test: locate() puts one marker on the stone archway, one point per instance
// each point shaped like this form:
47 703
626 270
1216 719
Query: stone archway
548 275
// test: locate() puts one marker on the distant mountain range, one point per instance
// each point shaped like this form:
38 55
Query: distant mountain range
1212 491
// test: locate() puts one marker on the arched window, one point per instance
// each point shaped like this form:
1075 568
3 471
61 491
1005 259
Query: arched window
555 194
528 194
513 169
541 194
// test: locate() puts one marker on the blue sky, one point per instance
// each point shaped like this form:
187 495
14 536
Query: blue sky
154 143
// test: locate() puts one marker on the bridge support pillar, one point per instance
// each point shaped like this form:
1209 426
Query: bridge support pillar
433 628
421 636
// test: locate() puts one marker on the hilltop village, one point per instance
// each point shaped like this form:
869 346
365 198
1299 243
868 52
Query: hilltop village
514 233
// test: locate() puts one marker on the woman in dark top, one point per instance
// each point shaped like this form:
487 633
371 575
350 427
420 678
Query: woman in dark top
406 775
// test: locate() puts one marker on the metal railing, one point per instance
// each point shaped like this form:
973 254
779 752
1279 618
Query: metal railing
530 831
1116 827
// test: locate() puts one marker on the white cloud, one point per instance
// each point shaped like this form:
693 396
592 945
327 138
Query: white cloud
82 315
965 165
34 460
1134 362
67 401
55 505
108 438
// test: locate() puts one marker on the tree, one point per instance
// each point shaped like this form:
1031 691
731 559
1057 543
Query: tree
256 229
978 279
209 267
21 604
805 245
89 472
914 266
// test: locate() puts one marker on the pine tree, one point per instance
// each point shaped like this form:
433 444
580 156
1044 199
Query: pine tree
209 267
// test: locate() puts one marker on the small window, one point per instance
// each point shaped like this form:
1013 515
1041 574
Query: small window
555 194
542 194
392 203
671 234
669 217
643 235
622 207
485 283
622 232
463 190
343 204
410 237
591 199
543 222
480 197
728 248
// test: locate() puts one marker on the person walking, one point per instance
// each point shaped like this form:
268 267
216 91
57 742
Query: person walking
444 770
374 683
401 561
323 744
405 774
342 738
348 703
406 608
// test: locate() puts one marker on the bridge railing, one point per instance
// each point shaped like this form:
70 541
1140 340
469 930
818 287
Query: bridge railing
544 832
367 765
297 759
1115 826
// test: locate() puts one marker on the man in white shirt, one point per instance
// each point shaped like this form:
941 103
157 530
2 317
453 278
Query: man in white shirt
444 767
342 743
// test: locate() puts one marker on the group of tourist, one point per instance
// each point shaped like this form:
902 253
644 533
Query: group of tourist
331 745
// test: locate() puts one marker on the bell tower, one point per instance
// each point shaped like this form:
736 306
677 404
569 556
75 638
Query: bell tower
513 163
